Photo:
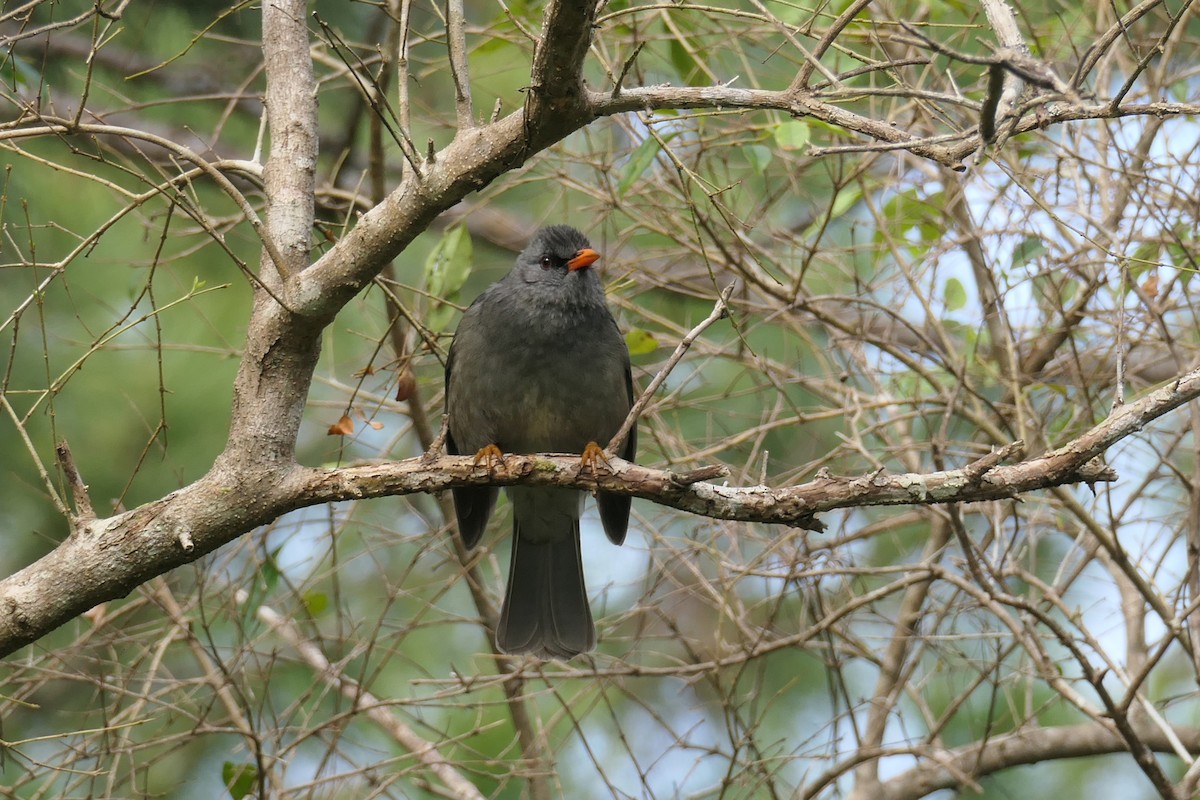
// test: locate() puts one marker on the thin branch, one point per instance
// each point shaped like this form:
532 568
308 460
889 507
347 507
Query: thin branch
217 677
401 11
62 126
375 709
456 43
79 489
835 30
19 424
194 521
798 104
719 311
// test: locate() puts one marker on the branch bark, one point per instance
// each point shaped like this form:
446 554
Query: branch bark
107 558
945 770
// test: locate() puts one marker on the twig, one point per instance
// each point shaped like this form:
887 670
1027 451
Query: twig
375 98
981 466
456 43
813 61
19 424
616 92
719 311
79 489
711 472
217 678
373 707
435 447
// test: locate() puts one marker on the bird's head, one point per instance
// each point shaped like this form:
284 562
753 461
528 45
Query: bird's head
557 254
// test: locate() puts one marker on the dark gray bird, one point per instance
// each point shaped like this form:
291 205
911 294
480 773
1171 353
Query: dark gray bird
539 366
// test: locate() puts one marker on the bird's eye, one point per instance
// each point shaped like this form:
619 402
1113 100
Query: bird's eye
547 262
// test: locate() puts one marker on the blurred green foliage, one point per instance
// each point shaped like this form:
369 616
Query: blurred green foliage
128 349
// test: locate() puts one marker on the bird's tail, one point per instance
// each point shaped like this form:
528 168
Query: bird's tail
545 608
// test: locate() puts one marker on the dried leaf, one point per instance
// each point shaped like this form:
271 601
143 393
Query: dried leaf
343 427
406 384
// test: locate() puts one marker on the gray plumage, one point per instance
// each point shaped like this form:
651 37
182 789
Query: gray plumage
539 366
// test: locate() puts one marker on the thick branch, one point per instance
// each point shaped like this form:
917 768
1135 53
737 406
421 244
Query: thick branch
106 559
290 172
478 155
790 505
281 347
556 93
945 769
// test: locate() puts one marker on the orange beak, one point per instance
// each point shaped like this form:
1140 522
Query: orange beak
584 258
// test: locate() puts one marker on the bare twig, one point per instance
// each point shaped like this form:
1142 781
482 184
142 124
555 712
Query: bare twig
79 489
215 675
812 62
375 708
719 311
19 424
456 43
625 67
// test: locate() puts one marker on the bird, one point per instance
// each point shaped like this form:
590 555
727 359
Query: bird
538 365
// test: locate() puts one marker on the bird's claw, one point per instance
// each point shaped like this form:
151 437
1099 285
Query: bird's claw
594 454
490 456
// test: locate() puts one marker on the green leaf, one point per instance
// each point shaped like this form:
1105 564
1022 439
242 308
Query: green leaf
316 603
438 318
793 134
1068 291
954 294
640 342
683 62
1144 258
270 569
638 163
846 199
1027 250
1179 253
239 779
759 157
446 270
449 264
23 73
913 210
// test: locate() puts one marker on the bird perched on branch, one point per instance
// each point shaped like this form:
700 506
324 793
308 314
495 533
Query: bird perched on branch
539 366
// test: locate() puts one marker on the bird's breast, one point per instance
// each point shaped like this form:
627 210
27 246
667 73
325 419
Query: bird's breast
552 386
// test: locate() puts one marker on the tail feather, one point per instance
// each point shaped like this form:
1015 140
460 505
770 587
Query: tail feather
545 608
472 507
614 508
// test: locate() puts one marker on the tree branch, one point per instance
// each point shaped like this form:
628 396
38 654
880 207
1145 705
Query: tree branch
456 44
718 312
289 176
365 701
106 559
1029 746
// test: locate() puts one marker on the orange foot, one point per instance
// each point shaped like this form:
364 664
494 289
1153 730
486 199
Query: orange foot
490 456
593 455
